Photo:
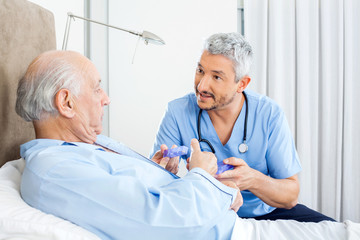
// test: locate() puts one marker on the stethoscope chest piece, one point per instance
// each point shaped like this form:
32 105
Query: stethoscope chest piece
243 147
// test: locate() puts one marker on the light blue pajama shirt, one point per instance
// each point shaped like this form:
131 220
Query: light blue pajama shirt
123 196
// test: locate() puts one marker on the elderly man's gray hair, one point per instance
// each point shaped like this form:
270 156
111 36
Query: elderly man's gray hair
44 78
234 47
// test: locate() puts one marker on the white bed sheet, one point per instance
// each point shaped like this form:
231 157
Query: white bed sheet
250 229
20 221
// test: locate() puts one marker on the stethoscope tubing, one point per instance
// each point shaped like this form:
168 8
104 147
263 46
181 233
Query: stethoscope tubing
200 139
199 133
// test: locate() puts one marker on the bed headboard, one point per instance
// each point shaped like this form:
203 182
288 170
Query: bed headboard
26 30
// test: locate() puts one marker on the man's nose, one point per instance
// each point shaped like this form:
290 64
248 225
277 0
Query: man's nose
204 84
106 100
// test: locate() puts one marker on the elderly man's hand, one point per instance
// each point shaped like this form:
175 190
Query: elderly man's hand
239 199
204 160
170 164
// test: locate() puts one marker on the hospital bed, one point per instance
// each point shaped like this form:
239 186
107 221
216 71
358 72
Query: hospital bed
26 30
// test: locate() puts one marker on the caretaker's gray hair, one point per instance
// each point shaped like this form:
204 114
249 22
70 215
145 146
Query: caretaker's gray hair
234 47
45 76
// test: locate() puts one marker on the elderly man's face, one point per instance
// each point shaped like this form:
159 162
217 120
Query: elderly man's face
91 101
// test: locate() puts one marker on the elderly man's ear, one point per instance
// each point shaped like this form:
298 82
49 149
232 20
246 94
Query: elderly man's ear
65 103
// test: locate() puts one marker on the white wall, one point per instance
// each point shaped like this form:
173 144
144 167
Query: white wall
140 91
60 10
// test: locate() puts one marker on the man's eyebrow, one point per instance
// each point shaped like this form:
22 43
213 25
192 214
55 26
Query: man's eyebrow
97 84
219 72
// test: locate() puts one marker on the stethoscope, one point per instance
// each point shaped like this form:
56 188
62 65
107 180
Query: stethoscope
243 147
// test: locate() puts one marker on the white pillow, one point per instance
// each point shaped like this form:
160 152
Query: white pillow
20 221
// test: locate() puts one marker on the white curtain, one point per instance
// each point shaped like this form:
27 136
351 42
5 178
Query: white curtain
307 58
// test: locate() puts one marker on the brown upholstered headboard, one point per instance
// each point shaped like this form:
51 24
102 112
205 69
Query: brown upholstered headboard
26 30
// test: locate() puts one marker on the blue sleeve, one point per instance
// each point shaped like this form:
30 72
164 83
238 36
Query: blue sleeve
123 205
168 132
281 156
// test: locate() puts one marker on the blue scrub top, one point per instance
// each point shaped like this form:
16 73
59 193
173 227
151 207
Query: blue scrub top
271 145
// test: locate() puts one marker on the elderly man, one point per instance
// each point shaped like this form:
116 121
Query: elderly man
110 190
100 184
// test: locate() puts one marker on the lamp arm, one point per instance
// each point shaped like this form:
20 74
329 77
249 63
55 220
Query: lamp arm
104 24
66 34
147 36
